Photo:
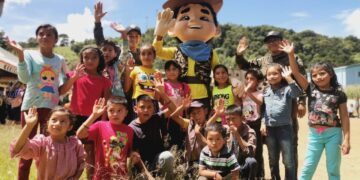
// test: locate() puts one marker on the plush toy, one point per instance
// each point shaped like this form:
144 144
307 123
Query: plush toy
194 24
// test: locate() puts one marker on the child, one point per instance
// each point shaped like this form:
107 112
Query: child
327 130
242 141
195 129
251 105
141 77
176 91
222 89
113 67
89 85
113 139
216 161
149 128
277 123
15 97
57 156
42 71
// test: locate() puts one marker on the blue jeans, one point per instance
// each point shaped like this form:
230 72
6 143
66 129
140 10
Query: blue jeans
280 139
330 140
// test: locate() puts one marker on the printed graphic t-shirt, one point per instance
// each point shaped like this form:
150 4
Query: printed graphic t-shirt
42 76
113 145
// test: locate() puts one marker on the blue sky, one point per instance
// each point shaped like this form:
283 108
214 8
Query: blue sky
74 17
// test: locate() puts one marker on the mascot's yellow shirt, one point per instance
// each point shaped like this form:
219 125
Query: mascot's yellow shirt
142 81
198 91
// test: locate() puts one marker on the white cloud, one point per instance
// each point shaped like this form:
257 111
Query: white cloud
78 26
300 14
110 5
20 2
351 21
22 32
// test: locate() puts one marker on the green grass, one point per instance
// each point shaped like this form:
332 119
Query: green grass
8 166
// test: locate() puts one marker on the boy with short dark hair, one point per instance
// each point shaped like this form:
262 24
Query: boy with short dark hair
149 129
113 139
216 160
242 141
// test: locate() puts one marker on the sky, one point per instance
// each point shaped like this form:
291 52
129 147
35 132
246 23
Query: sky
20 18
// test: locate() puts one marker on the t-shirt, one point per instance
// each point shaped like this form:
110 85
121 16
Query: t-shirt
54 160
278 104
226 94
176 91
142 78
85 91
198 91
224 163
113 144
323 106
251 110
42 76
148 139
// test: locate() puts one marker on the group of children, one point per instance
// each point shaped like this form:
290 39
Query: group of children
123 110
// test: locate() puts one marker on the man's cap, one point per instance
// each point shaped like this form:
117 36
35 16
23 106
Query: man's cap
133 28
196 104
273 34
173 4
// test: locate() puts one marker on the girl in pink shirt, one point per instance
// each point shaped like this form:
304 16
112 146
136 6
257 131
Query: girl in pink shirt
88 85
57 156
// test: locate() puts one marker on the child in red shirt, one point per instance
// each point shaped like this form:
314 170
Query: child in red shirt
113 139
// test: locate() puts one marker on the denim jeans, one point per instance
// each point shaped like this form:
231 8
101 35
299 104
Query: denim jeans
330 140
280 139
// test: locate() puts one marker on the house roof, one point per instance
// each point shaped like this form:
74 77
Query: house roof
8 61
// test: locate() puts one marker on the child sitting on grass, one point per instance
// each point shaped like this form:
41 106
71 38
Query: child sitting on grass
113 139
57 156
216 161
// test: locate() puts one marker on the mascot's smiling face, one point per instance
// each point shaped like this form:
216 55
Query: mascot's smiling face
195 22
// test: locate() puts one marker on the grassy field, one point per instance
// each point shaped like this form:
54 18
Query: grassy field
350 168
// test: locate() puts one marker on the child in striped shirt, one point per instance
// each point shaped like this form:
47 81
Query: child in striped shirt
216 160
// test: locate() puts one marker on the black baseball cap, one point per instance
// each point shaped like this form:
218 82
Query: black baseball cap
133 28
273 34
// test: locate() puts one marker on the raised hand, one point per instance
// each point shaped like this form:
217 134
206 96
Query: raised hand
13 45
287 47
186 102
99 107
242 46
248 87
79 71
31 117
118 27
286 71
158 82
220 107
164 22
98 12
239 90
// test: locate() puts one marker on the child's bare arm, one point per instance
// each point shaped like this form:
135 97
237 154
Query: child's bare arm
79 72
31 119
209 173
16 47
235 175
128 80
300 78
257 99
98 109
219 110
345 124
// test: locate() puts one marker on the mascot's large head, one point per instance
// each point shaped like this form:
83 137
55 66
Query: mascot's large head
195 19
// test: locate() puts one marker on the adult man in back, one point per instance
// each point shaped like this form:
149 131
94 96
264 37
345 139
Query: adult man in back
273 41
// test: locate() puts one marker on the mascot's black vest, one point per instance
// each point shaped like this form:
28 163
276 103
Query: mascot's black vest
202 69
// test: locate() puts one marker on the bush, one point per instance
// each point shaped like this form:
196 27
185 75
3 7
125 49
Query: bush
353 91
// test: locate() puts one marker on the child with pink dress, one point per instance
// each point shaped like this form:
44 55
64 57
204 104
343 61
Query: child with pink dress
57 156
